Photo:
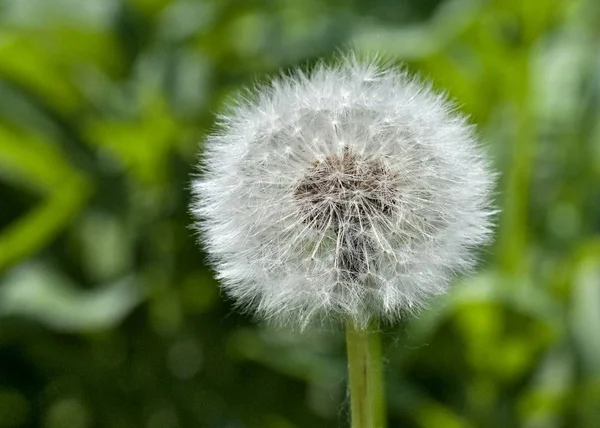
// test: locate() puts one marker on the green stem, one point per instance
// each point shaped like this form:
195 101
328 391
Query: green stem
365 372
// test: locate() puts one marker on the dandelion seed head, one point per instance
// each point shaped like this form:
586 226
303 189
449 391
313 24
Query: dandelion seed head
353 192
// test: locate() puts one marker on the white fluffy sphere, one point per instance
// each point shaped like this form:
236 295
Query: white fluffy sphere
352 193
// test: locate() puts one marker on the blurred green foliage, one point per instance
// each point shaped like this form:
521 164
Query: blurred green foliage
108 317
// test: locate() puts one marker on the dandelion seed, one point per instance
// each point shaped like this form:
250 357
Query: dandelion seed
352 193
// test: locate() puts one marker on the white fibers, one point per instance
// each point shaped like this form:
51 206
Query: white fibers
353 192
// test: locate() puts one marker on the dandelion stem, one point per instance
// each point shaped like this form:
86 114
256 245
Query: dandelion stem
365 376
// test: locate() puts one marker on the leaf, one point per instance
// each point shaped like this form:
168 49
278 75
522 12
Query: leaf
585 312
433 414
34 230
490 287
22 60
141 146
419 41
38 292
31 162
39 165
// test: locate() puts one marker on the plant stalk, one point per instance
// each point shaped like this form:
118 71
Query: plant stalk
367 394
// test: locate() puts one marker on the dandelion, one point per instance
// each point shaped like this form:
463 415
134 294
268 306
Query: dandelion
351 193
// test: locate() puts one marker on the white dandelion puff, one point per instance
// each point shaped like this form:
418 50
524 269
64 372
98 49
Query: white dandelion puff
353 192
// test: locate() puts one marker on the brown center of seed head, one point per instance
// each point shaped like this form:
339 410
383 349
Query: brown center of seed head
346 192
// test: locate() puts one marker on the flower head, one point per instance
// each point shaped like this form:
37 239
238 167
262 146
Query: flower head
353 192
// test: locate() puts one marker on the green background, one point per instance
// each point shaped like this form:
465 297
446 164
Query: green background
108 316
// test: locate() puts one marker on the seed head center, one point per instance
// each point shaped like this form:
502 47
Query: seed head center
346 191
